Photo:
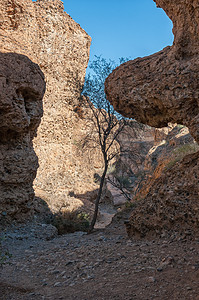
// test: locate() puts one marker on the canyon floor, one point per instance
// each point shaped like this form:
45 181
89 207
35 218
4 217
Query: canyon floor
103 265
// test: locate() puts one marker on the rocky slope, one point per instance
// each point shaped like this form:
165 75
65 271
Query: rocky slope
171 203
22 89
156 90
146 152
176 144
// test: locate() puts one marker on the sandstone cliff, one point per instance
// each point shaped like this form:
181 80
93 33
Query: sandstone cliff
22 89
49 37
155 90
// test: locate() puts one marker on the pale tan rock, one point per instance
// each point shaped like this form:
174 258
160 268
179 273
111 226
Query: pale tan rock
44 32
163 87
22 89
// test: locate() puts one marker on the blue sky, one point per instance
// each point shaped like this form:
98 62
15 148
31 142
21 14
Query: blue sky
122 28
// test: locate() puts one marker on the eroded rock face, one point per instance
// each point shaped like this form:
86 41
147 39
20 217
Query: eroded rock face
44 32
22 89
185 17
155 90
163 87
171 205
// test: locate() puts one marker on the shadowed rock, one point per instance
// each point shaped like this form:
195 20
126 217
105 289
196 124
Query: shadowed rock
155 90
22 89
45 33
163 87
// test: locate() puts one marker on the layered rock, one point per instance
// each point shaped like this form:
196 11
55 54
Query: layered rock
22 89
155 90
163 87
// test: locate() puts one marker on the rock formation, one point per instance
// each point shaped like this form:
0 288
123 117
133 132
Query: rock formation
163 87
171 149
46 34
22 89
171 205
155 90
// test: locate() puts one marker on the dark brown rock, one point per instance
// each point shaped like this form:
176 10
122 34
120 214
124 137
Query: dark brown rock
22 89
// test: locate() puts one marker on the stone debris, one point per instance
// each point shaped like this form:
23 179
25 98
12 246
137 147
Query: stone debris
77 266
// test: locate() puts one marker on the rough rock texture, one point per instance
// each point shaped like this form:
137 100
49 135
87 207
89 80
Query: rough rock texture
163 87
155 90
78 266
171 204
135 143
146 152
22 89
175 145
51 38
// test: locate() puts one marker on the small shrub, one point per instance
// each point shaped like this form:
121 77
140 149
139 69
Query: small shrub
181 152
4 254
124 181
111 169
186 149
171 163
68 222
129 204
180 126
97 178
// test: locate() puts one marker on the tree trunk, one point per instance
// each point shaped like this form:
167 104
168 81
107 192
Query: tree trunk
98 199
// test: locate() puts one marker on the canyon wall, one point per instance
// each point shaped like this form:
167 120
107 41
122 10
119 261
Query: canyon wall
47 35
44 32
22 89
155 90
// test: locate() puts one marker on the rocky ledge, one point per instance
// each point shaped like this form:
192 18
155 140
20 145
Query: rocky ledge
163 87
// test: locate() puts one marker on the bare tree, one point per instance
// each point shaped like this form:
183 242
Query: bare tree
107 123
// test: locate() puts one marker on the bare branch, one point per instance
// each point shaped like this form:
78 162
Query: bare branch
106 121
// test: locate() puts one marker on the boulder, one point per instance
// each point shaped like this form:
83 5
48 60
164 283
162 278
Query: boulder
163 87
